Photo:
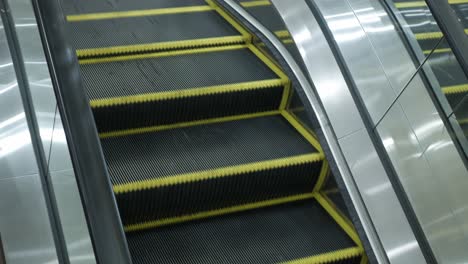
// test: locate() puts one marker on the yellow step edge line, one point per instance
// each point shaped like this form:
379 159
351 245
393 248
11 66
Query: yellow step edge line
217 212
426 52
142 130
462 88
255 3
287 83
324 171
231 21
345 218
303 131
138 13
230 171
330 191
340 220
160 46
364 259
432 35
329 257
282 34
423 3
292 111
192 92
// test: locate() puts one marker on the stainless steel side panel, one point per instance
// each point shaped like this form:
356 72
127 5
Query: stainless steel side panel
396 242
24 222
421 151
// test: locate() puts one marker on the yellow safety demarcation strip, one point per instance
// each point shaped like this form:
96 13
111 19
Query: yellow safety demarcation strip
277 71
192 92
462 88
324 171
426 52
423 3
282 34
222 211
247 36
302 130
161 54
429 35
185 124
329 257
138 13
364 259
330 191
159 46
292 111
230 171
345 218
255 3
410 4
340 220
288 41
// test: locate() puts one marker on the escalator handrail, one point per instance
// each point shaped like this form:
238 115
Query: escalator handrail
321 117
91 173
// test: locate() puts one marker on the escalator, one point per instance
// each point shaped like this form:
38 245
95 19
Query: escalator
447 70
208 163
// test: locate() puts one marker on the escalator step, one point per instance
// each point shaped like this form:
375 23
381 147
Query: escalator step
175 87
202 168
267 16
151 33
296 231
97 6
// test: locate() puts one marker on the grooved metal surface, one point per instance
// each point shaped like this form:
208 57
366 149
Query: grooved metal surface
95 6
125 78
204 147
447 69
201 196
268 17
148 29
178 110
337 199
269 235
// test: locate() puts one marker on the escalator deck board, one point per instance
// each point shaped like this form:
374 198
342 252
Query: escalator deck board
180 151
146 33
223 66
98 6
270 235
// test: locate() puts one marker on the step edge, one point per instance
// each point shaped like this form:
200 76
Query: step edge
185 93
217 212
160 47
227 171
329 257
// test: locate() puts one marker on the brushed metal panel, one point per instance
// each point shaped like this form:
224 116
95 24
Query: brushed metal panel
380 199
323 71
16 152
36 68
422 184
386 41
80 248
24 222
357 50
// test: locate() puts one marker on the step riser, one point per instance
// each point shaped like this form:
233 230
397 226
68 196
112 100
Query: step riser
201 196
179 110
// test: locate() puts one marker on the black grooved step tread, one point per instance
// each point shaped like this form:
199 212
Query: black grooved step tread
148 29
270 235
172 73
337 199
166 155
198 148
97 6
268 16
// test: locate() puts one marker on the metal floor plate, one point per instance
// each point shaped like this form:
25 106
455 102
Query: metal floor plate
199 148
270 235
134 77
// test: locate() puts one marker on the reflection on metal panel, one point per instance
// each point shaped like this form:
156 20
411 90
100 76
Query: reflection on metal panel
24 222
412 131
366 167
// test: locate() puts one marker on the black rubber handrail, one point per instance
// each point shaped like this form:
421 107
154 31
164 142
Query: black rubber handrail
106 231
